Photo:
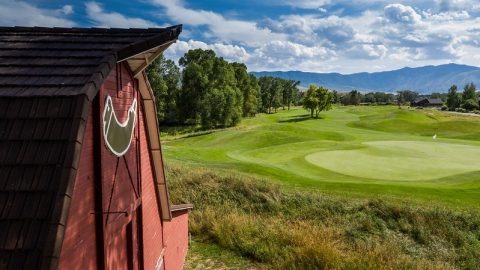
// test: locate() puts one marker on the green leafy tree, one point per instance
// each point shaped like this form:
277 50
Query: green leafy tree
325 100
406 96
209 93
317 100
336 97
164 77
369 98
470 104
454 99
469 92
257 101
289 92
310 100
247 87
354 97
270 93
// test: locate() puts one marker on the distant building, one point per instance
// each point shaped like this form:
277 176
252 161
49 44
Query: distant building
82 183
427 102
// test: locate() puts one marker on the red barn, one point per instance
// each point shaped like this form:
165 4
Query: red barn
82 183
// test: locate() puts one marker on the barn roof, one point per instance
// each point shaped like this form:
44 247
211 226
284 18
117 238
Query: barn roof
48 77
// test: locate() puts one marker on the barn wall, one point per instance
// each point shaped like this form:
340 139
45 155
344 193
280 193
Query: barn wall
122 191
152 225
120 175
79 243
176 240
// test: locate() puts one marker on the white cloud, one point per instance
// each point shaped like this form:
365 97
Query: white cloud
398 13
220 28
102 18
448 5
367 51
307 4
448 15
232 53
18 13
67 9
285 49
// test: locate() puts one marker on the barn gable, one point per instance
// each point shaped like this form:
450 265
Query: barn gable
48 79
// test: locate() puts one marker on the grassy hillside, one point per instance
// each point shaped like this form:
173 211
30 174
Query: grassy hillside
241 222
362 152
360 188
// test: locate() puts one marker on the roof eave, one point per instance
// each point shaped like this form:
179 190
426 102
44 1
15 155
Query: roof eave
137 48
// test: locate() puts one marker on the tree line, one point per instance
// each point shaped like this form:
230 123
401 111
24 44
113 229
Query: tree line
466 101
209 91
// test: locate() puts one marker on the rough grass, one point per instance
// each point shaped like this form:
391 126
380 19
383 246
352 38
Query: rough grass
280 228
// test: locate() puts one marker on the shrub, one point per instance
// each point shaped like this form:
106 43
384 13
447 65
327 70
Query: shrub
444 108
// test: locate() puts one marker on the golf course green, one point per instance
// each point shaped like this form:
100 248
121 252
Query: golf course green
372 151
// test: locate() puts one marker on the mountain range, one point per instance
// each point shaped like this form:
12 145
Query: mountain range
424 80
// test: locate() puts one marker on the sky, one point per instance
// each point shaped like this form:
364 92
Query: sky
345 36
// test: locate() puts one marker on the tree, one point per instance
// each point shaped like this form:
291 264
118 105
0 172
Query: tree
248 88
317 100
256 102
354 97
164 77
265 84
289 92
406 96
209 93
310 100
470 104
325 100
469 92
369 98
453 98
336 98
270 93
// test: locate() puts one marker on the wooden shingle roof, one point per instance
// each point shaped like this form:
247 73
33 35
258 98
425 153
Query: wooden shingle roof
38 61
48 78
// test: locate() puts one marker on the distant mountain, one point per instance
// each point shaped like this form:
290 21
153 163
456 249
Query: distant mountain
425 79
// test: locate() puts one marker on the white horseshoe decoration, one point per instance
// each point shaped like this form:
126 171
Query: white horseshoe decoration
118 136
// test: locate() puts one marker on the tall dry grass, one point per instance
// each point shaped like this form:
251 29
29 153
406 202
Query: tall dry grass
284 229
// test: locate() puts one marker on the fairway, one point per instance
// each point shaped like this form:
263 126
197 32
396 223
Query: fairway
382 152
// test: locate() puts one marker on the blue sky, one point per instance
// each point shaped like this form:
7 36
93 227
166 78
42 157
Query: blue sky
343 36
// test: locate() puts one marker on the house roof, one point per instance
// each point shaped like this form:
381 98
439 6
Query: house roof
48 77
435 101
429 100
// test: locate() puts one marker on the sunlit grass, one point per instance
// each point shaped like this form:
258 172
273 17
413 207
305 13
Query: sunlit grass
363 152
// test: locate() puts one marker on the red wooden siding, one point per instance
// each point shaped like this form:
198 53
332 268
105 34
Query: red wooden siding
176 239
79 243
134 235
120 175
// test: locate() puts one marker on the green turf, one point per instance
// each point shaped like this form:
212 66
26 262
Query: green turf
358 151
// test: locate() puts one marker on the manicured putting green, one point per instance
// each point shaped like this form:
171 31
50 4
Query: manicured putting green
401 160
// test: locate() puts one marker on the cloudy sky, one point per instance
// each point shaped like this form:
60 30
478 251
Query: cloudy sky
344 36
